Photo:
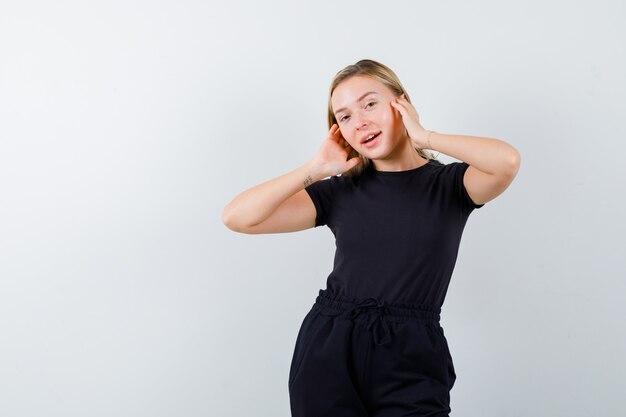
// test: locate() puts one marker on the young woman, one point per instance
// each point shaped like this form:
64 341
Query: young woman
372 344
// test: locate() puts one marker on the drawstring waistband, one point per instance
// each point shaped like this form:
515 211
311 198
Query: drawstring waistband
380 312
376 319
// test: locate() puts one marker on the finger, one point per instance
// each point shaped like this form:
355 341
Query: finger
337 136
354 162
398 106
332 133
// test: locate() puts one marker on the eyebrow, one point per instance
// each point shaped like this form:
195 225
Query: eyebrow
360 98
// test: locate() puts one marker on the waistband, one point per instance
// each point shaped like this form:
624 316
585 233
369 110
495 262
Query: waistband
380 312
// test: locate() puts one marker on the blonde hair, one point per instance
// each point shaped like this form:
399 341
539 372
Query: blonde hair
379 72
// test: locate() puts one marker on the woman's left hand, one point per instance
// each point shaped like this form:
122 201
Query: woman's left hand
411 120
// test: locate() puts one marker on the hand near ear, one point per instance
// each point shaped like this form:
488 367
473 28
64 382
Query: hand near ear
411 120
332 155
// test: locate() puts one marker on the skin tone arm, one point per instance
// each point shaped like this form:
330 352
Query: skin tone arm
493 163
491 156
256 204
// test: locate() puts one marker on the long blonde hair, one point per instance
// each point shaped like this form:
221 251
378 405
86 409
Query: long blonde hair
382 73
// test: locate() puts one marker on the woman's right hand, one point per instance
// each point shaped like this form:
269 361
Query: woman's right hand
331 156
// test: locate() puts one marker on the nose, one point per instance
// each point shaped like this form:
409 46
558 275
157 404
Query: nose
359 121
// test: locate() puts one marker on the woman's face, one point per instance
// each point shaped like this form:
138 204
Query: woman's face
359 114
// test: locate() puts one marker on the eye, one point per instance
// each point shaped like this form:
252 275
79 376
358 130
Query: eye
371 102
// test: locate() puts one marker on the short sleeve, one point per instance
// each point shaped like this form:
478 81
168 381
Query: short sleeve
457 170
321 193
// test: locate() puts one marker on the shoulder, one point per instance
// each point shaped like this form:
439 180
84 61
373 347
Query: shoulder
451 176
449 170
438 165
329 185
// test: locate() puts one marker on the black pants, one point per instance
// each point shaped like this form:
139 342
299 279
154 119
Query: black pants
366 358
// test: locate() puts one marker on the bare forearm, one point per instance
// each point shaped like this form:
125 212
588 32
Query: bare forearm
489 155
255 204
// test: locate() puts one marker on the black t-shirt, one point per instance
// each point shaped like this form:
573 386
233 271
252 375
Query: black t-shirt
397 233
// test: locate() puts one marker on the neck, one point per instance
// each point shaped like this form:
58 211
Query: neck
406 158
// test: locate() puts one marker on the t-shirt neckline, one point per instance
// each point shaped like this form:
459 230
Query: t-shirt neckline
397 173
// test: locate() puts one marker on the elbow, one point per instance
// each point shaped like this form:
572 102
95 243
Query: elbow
513 161
227 219
230 222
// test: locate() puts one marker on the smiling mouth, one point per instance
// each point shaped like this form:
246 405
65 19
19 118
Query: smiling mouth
368 140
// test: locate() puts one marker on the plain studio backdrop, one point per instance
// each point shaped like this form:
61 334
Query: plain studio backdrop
127 126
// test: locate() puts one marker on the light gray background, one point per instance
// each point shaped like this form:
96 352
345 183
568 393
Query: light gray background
127 126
